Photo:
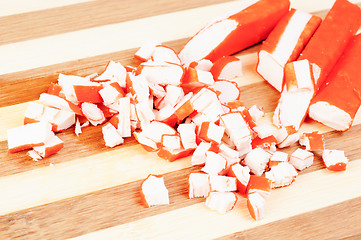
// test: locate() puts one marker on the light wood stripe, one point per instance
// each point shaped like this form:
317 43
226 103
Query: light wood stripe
22 6
76 17
308 191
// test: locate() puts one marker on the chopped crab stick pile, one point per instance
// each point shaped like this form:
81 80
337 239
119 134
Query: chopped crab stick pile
337 102
188 104
284 44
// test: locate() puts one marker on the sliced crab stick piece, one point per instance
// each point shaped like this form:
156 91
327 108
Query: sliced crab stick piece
231 155
276 158
198 185
154 192
284 44
54 89
145 52
93 113
80 89
58 102
173 96
227 91
147 143
114 72
28 136
144 113
187 132
334 160
203 64
171 148
338 100
268 143
121 121
184 107
263 130
237 129
161 73
34 155
110 93
155 130
312 141
166 115
242 174
222 183
33 112
163 53
227 68
51 146
296 96
287 136
221 202
256 206
282 175
138 87
260 185
111 136
211 132
206 103
257 160
256 113
247 25
215 164
195 78
338 27
301 159
199 156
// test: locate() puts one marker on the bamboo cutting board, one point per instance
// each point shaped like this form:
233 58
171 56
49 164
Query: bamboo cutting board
88 191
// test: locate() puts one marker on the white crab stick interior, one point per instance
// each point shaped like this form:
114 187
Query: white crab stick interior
155 191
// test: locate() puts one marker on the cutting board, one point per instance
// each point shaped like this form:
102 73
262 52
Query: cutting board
89 191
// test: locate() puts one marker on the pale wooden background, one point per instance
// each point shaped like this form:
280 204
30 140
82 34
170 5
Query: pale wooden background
91 192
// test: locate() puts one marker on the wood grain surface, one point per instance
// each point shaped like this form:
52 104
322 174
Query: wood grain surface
89 191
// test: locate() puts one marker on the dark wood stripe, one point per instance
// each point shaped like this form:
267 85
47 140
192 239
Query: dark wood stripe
339 221
30 25
91 212
118 205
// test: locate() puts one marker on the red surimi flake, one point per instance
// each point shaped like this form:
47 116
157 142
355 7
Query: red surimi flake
312 141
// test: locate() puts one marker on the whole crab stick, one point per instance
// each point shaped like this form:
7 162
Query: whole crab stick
248 25
338 100
284 44
331 38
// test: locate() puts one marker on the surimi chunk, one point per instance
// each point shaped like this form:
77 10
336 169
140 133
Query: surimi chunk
247 25
221 202
227 68
260 185
171 148
276 158
242 175
211 132
60 103
93 113
256 206
111 136
199 156
51 146
114 72
284 44
28 136
187 132
154 191
227 91
145 52
161 73
287 136
203 64
334 160
195 78
338 27
312 141
110 93
222 183
338 100
198 185
215 164
296 95
282 175
301 159
257 160
163 53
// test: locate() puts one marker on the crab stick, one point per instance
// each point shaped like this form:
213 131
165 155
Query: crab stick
276 158
163 53
296 95
111 136
211 132
256 206
171 148
155 130
28 136
145 52
187 133
199 156
242 175
284 44
203 64
247 25
195 78
154 192
330 39
312 141
93 113
257 160
282 175
228 92
287 136
161 73
215 164
114 72
198 185
227 68
231 155
221 202
260 185
58 102
138 87
301 159
338 100
51 146
110 93
173 95
334 160
222 183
